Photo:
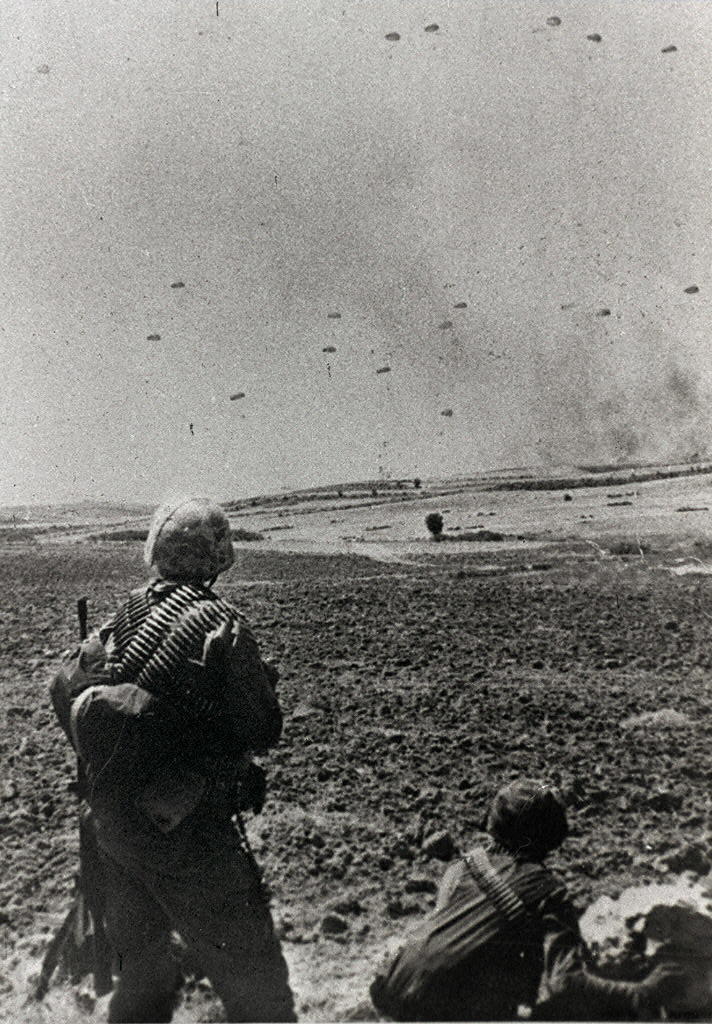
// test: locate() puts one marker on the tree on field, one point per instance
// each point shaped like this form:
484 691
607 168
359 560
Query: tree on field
434 522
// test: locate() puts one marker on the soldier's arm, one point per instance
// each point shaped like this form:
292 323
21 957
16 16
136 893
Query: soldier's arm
570 990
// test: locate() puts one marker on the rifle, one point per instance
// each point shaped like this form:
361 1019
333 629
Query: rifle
85 948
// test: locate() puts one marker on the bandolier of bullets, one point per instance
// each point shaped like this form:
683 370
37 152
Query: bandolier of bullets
154 645
502 895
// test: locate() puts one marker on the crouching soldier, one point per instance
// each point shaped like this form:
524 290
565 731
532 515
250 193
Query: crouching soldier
165 707
504 935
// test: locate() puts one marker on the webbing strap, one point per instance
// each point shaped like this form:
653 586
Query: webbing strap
503 897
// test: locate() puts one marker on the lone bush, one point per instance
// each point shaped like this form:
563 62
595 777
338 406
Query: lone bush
434 523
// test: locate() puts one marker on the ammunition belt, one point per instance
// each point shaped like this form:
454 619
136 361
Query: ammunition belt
154 644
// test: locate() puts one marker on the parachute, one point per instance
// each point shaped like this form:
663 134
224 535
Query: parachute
177 284
446 325
594 37
553 21
692 290
384 369
432 28
669 49
329 348
392 37
333 316
460 305
238 394
446 412
153 337
603 312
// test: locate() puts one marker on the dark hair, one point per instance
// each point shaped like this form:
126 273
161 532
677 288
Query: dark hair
528 819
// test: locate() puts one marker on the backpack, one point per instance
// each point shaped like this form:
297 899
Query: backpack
140 709
443 952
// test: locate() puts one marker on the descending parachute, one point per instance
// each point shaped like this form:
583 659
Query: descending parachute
669 49
553 21
446 325
594 37
333 316
329 348
432 28
238 394
177 284
692 289
392 37
446 412
153 337
460 305
384 369
603 312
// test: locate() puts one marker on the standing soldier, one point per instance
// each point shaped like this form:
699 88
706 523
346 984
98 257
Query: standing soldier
165 706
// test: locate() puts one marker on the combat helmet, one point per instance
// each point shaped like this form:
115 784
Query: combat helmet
189 541
528 819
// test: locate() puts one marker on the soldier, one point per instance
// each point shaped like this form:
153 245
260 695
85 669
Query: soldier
504 934
166 706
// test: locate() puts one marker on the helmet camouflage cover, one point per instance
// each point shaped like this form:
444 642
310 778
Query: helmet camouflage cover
189 540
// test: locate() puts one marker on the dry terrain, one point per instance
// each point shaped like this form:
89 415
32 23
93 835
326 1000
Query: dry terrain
416 678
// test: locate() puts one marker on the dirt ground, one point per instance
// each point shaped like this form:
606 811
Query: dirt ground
413 687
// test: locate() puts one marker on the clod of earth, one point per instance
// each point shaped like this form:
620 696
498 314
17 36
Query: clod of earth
419 883
663 718
334 924
692 857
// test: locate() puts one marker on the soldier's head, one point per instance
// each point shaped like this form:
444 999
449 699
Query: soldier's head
189 541
528 819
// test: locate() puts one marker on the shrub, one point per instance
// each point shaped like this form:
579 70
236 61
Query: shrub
434 523
628 547
131 534
241 534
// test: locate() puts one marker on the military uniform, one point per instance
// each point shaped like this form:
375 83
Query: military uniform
168 785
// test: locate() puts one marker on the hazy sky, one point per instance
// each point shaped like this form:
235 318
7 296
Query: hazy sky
284 161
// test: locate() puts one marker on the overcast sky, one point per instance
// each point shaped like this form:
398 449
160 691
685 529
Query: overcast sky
285 160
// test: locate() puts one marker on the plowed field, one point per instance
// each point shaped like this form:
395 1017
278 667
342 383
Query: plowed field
411 691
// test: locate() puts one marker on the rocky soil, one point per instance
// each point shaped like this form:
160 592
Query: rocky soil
411 691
